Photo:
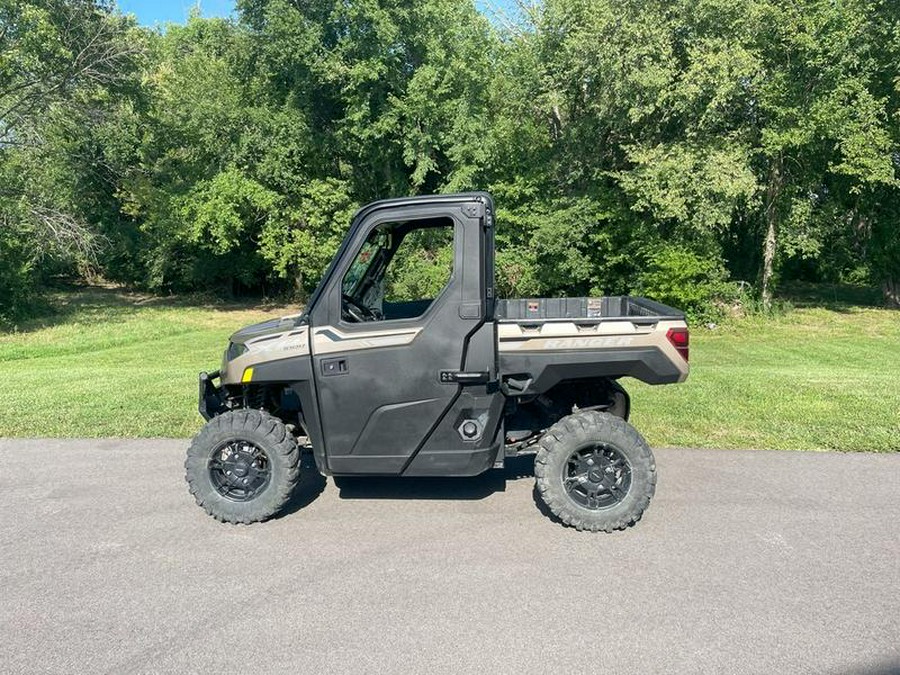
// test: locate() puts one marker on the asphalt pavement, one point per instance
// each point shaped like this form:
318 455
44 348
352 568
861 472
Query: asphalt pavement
745 562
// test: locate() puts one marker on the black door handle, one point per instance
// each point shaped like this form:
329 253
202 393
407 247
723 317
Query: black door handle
335 367
462 377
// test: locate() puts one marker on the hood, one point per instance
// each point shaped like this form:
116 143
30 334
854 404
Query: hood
270 327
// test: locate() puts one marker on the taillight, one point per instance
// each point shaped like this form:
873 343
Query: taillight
680 339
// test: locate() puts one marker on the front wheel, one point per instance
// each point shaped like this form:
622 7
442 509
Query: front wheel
595 472
243 466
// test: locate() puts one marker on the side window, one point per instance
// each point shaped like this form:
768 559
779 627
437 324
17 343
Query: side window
421 266
399 271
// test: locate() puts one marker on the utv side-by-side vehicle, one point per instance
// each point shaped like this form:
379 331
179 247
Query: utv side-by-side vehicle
405 363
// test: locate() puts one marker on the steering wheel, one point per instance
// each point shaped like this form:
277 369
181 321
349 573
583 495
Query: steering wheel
356 310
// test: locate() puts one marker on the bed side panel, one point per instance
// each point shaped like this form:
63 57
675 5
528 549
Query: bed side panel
551 352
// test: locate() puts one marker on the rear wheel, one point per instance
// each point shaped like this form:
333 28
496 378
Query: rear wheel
595 472
242 467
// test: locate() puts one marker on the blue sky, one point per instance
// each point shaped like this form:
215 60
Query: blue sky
152 12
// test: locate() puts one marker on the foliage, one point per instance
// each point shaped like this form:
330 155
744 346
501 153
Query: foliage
625 142
723 127
16 276
421 266
679 277
61 63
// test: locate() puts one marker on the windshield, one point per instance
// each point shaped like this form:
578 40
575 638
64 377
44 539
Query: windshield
375 241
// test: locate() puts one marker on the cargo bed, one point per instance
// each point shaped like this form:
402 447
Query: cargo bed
616 307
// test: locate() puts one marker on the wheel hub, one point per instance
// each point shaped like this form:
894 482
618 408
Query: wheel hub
597 476
239 470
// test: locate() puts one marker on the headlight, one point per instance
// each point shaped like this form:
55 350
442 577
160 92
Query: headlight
235 350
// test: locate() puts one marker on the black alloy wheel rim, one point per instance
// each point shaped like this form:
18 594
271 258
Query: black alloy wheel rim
597 476
239 470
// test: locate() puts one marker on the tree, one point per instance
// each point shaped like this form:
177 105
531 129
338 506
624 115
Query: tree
700 127
260 137
58 62
629 144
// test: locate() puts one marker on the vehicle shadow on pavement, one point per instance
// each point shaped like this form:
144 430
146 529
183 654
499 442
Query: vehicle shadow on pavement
475 487
310 486
890 666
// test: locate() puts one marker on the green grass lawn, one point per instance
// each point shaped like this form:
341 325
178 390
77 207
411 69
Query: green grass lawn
811 379
113 364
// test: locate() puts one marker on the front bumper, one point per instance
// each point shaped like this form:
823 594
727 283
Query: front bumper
211 401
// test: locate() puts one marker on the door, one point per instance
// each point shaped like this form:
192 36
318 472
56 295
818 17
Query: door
402 315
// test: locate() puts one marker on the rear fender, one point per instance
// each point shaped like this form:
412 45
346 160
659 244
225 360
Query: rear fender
622 401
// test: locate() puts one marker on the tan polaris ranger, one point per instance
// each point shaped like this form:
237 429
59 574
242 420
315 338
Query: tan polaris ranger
381 377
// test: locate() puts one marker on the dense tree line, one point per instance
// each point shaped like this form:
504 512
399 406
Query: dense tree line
661 147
